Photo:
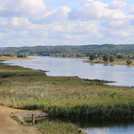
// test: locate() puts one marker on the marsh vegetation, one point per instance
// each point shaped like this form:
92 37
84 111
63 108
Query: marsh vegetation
63 96
69 97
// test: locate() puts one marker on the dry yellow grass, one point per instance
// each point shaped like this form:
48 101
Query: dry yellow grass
4 58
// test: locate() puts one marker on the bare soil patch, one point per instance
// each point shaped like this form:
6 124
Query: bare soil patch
10 126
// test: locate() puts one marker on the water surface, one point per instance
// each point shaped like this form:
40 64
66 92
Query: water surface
109 127
123 75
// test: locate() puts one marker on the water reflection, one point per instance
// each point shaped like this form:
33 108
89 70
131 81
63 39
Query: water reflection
110 127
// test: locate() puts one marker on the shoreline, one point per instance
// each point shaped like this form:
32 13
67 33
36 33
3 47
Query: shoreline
85 59
117 62
4 58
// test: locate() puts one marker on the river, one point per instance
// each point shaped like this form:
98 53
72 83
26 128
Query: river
123 75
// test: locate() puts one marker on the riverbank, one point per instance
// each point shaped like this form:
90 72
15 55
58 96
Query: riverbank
10 126
4 58
64 97
116 62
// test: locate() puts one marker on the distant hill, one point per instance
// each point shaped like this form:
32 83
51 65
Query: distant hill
72 51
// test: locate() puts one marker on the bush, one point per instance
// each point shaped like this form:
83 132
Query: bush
21 55
128 62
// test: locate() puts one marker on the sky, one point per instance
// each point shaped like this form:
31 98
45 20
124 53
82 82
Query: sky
66 22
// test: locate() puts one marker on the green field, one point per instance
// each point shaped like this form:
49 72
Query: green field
69 97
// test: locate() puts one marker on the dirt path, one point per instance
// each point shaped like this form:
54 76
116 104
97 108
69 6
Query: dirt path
10 126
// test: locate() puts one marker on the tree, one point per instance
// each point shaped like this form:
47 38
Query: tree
120 56
21 55
105 58
128 61
91 57
111 58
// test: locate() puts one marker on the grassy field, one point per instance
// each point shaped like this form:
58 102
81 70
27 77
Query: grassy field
116 62
69 97
58 127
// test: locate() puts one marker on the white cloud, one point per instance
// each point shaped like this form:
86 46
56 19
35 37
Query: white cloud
21 7
18 22
52 15
32 22
118 24
116 4
96 10
35 10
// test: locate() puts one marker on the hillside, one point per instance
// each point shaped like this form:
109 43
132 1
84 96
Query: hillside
72 51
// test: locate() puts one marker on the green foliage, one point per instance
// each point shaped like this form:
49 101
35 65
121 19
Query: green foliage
111 58
91 57
8 54
22 55
120 51
106 58
120 56
128 61
58 127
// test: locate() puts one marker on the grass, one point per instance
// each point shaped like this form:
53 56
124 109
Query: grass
116 62
69 97
63 96
58 127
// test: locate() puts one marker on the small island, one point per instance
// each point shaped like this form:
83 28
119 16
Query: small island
109 59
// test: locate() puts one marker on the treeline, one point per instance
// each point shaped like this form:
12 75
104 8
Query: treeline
112 58
19 55
119 51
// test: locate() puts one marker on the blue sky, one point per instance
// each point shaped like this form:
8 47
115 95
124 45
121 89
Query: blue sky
66 22
58 3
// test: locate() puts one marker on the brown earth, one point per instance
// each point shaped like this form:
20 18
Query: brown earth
10 126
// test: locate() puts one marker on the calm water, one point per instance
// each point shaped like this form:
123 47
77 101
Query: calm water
123 75
103 127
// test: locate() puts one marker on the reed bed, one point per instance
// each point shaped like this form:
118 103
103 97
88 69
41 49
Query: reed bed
58 127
